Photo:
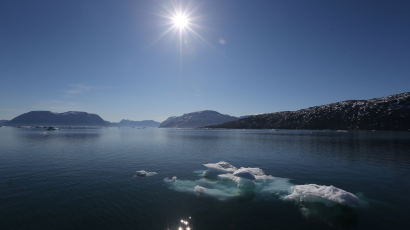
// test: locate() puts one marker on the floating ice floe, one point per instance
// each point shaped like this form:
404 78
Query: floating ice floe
244 177
214 169
222 166
143 173
328 195
224 181
252 174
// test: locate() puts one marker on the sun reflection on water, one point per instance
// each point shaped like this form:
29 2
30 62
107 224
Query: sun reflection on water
184 224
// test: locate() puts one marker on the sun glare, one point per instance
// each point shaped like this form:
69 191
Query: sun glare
180 21
183 22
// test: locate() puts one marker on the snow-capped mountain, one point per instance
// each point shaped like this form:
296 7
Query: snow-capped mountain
385 113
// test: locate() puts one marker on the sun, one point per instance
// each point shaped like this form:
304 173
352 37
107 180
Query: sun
181 18
180 21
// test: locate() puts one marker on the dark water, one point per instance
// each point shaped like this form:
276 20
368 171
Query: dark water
85 179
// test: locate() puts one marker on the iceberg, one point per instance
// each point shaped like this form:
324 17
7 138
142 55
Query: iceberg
328 195
222 181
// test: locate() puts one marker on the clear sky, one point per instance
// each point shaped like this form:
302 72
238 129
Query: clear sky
108 57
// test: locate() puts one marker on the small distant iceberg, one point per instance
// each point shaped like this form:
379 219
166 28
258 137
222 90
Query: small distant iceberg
143 173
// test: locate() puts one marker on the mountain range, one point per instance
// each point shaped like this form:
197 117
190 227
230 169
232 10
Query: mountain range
130 123
385 113
71 118
197 120
47 118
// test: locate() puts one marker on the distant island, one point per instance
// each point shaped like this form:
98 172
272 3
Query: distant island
385 113
197 120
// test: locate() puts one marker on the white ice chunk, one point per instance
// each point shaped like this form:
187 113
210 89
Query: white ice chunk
229 176
329 195
249 173
221 166
199 189
143 173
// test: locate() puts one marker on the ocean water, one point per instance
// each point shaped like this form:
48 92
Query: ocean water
86 179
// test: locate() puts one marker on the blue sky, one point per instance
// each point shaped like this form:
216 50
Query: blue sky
254 57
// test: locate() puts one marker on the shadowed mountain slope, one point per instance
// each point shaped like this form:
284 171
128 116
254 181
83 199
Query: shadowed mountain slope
385 113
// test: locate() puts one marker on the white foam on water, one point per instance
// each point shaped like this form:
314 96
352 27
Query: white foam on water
328 195
143 173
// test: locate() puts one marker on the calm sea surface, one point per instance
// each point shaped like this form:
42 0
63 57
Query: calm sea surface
86 178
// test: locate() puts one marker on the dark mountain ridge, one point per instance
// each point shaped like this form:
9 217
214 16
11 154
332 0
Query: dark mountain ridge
130 123
197 119
47 118
385 113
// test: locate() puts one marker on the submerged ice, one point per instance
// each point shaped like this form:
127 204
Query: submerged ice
223 181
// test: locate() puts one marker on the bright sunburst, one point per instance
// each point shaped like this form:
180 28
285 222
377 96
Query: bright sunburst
180 21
